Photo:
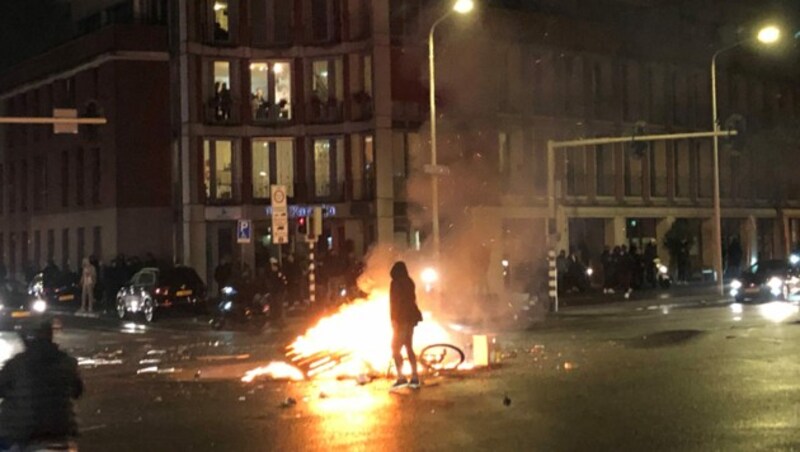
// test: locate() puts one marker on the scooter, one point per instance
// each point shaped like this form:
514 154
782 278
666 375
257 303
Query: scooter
233 310
663 280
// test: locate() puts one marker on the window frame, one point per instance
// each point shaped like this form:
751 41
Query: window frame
210 186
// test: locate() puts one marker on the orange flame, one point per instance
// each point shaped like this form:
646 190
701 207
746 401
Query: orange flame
354 341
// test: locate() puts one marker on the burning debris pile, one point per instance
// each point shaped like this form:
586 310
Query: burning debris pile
353 342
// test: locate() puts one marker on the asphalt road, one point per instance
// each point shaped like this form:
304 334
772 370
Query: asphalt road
641 376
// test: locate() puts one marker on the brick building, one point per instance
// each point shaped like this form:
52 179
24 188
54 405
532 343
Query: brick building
104 190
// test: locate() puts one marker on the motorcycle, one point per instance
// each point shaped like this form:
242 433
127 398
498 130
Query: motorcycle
234 308
663 280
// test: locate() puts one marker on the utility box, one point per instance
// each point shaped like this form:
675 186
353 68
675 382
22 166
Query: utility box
485 350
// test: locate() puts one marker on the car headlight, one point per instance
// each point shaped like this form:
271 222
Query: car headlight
775 283
663 269
736 284
589 271
794 259
228 290
39 306
2 307
227 306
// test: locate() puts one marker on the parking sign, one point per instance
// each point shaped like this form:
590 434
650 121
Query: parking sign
244 231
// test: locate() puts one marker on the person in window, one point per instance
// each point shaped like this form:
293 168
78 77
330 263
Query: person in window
216 101
404 315
283 111
258 105
225 101
38 387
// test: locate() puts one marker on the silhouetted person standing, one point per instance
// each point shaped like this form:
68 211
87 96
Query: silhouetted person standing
38 387
405 315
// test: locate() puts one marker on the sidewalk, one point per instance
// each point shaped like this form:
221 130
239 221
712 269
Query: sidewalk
692 294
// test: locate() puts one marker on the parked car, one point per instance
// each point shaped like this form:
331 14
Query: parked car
151 291
767 280
16 304
58 289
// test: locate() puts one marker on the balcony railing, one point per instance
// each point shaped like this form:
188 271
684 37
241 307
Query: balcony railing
223 111
325 112
362 107
271 113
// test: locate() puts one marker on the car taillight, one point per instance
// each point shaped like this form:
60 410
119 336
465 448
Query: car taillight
162 290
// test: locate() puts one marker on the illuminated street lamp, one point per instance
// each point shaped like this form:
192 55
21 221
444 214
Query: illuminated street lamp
460 7
767 35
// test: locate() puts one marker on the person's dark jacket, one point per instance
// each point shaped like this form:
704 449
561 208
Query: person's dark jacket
402 297
37 388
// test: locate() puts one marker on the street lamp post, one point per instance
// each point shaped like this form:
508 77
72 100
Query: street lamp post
461 7
767 35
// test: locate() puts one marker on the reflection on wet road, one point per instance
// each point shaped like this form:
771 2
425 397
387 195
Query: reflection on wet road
655 377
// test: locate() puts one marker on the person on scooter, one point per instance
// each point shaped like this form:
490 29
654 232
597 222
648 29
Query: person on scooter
38 387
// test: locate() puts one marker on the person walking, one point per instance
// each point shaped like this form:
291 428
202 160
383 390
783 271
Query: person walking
405 315
38 387
88 280
607 262
650 256
625 268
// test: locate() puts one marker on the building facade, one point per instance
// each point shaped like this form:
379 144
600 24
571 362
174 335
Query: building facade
105 189
280 92
329 98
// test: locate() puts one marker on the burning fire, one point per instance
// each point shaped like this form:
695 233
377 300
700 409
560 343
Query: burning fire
352 342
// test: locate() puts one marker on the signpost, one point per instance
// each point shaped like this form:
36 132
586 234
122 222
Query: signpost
244 232
280 215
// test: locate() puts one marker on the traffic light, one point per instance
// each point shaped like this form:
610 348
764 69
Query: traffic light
639 148
302 226
736 123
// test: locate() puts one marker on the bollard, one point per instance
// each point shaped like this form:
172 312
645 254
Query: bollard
552 276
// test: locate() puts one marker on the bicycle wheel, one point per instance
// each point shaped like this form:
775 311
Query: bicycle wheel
436 357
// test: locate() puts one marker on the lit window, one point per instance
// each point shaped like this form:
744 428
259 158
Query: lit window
273 163
329 169
221 101
221 21
271 90
218 171
321 80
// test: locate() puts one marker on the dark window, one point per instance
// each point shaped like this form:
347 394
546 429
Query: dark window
65 179
69 92
96 175
604 163
23 186
80 179
12 255
283 21
51 244
12 188
39 182
319 20
97 242
597 89
24 258
37 249
80 240
65 249
2 188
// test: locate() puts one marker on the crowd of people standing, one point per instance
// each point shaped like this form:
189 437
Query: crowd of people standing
622 269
